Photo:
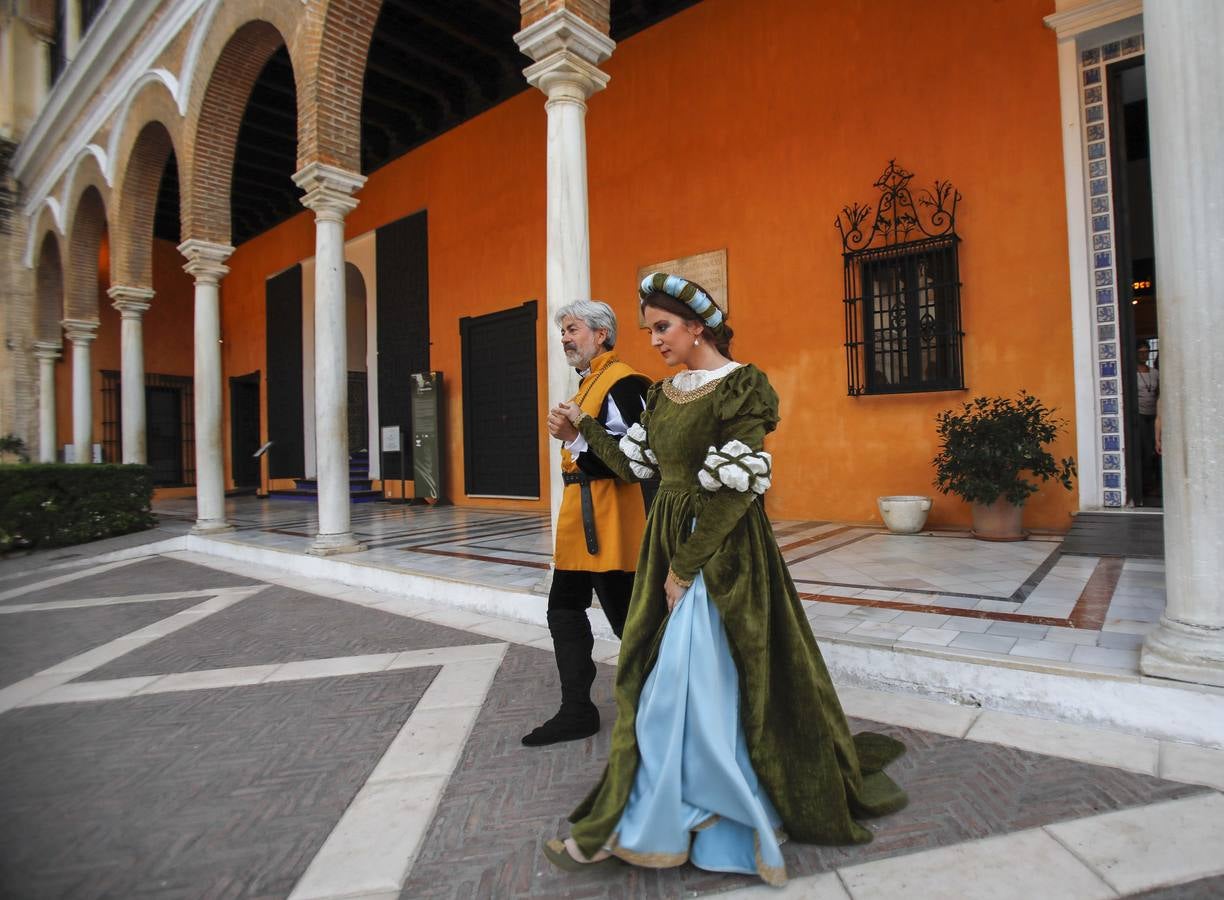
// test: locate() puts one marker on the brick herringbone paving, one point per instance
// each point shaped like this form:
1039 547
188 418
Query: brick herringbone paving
504 800
155 576
281 625
209 793
33 641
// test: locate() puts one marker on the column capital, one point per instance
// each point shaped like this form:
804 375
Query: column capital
132 302
47 350
205 260
562 30
566 76
81 331
329 190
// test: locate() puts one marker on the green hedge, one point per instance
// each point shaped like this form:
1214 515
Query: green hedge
53 505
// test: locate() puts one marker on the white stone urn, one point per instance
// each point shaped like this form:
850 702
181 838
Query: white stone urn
904 514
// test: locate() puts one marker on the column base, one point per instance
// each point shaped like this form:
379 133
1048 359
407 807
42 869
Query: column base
335 544
211 526
1183 652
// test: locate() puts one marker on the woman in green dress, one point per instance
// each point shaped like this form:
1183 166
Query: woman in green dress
729 736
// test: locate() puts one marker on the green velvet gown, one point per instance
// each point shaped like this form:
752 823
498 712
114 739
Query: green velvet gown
819 776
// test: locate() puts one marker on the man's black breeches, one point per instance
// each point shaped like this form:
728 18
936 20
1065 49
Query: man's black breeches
571 590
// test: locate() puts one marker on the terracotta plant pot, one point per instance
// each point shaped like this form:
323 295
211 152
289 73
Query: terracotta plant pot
998 521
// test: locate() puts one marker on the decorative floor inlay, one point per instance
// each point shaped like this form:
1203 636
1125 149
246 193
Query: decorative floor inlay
280 625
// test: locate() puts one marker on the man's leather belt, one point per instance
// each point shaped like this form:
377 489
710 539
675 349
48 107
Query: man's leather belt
583 480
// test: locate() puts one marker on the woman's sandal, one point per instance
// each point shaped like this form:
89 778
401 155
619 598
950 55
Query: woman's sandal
558 854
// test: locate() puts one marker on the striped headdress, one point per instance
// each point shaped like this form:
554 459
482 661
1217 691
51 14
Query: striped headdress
686 292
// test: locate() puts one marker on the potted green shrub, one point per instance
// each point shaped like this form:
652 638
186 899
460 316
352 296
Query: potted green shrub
986 450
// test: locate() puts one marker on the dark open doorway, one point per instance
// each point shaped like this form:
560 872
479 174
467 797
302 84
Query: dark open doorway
164 434
244 430
1138 333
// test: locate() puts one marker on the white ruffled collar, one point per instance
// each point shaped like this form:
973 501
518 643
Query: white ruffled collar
691 379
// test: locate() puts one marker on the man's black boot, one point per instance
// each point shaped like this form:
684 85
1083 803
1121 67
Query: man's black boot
578 717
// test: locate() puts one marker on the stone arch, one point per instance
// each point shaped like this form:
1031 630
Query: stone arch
136 205
335 49
87 227
49 291
233 57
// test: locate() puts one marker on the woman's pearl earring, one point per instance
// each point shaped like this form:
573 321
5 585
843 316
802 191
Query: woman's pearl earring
696 342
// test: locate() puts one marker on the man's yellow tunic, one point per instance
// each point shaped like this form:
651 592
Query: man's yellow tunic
619 511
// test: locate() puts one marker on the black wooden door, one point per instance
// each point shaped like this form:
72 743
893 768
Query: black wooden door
164 434
283 307
244 430
358 412
501 428
402 263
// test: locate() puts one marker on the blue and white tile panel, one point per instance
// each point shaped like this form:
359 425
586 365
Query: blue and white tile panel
1102 259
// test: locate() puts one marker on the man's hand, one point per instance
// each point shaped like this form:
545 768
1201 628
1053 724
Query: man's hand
559 424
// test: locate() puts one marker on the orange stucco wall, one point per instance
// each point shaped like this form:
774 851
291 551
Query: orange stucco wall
747 126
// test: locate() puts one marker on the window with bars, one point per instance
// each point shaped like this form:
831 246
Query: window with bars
902 291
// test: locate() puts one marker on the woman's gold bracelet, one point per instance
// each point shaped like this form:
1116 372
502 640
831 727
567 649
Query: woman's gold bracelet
680 581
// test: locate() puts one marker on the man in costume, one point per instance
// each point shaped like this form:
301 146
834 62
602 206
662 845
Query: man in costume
600 524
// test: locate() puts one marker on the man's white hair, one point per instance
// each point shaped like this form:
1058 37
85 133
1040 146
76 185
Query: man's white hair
595 313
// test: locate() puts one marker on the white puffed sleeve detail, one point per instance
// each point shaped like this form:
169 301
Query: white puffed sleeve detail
738 467
642 460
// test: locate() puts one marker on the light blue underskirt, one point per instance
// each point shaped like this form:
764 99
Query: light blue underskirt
695 795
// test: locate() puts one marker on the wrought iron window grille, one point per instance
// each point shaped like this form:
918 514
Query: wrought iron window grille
177 468
902 289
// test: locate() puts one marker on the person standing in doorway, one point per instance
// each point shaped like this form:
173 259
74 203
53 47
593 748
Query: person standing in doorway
600 524
1148 382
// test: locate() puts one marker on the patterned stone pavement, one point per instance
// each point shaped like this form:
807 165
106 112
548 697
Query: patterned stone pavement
502 799
172 730
209 793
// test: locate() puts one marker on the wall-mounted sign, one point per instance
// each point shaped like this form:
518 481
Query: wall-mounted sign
391 439
707 269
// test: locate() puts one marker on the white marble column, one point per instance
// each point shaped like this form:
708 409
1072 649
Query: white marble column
81 332
1185 81
205 263
47 353
72 28
132 303
329 192
567 50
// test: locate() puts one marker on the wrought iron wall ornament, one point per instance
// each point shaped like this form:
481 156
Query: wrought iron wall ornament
902 283
896 216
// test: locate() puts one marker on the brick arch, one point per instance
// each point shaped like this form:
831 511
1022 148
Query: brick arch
233 56
86 172
49 290
335 48
86 229
141 170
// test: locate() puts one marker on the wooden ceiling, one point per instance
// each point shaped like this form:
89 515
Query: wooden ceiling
433 64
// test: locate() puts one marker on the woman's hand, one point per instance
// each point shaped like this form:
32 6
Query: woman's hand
674 590
559 425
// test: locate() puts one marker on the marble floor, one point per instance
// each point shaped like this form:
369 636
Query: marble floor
1022 601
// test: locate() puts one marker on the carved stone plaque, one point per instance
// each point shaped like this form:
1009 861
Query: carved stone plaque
707 269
